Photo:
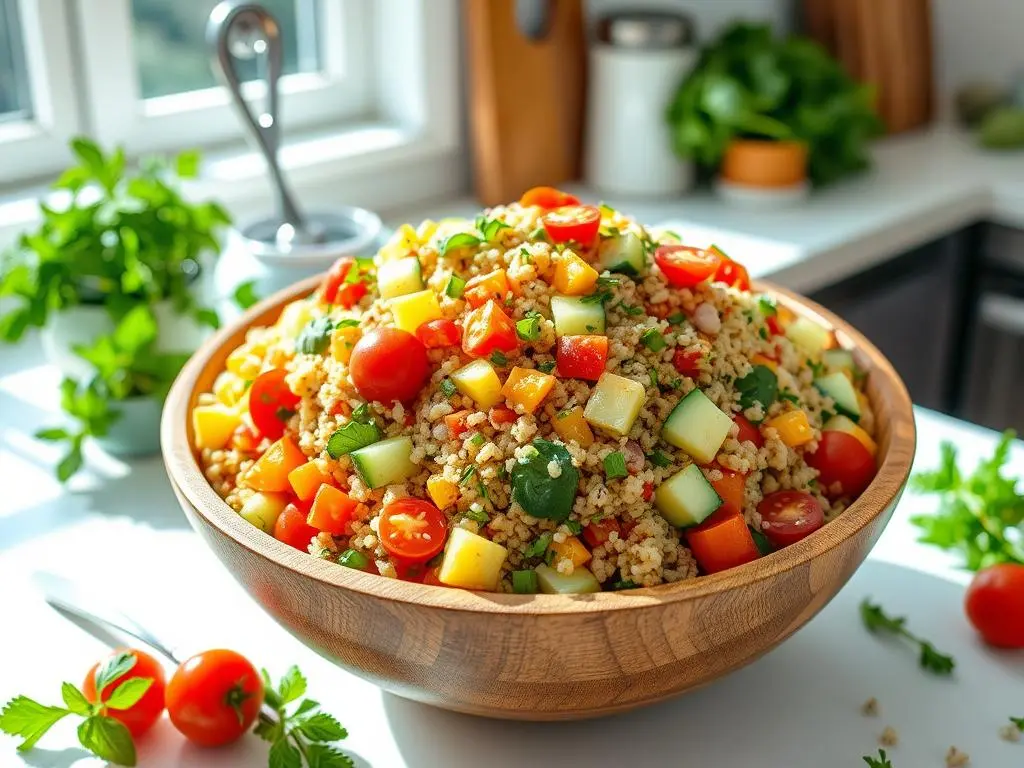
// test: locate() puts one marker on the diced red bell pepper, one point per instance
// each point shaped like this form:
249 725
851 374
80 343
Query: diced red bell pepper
456 423
732 489
747 430
598 532
722 541
582 357
439 333
502 414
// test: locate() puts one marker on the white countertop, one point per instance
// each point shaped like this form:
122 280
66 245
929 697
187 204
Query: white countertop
922 186
117 529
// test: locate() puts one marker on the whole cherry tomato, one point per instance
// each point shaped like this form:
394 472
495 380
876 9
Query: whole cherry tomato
214 697
140 716
271 403
389 364
842 461
995 604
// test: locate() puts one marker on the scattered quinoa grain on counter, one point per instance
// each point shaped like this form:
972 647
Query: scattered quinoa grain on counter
957 759
870 707
549 398
1010 732
889 737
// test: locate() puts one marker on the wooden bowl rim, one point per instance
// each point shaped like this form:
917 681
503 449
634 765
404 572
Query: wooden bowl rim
185 474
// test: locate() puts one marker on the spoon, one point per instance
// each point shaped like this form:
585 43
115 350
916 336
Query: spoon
244 31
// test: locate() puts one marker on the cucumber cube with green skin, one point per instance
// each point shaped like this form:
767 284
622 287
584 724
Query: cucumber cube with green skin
686 498
698 426
574 317
840 389
580 581
385 462
399 277
614 404
622 253
810 337
263 509
838 360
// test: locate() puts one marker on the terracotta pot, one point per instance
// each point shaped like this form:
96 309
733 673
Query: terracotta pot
765 163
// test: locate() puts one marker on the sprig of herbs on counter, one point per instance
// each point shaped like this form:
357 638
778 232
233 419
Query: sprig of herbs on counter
882 761
877 622
99 733
981 516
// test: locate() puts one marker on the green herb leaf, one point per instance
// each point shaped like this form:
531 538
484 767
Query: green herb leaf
448 388
323 756
292 685
524 582
653 340
763 333
598 297
528 329
574 527
758 386
615 466
270 695
536 491
608 282
546 367
467 473
314 338
490 228
876 621
790 397
284 755
29 719
629 309
764 546
245 294
322 727
458 241
352 437
498 358
108 739
477 439
207 317
539 546
455 288
677 318
74 700
659 459
347 322
52 435
880 762
352 558
478 515
113 668
128 693
1019 722
624 584
767 306
362 414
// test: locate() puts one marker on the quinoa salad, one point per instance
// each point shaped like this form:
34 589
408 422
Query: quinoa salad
551 398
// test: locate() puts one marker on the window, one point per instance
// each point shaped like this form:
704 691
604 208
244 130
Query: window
15 101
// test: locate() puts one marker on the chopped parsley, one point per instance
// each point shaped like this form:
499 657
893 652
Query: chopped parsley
539 546
630 310
767 306
574 527
527 256
477 439
817 367
477 515
654 376
351 558
624 584
676 318
467 474
456 286
763 333
448 388
348 322
528 329
498 358
882 761
598 297
362 414
653 340
608 282
615 466
790 397
659 459
546 367
351 437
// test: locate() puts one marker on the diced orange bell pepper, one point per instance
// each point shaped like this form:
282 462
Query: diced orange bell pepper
722 541
571 549
571 425
442 492
482 288
271 470
767 362
573 276
486 329
456 423
793 427
307 479
527 388
332 510
732 489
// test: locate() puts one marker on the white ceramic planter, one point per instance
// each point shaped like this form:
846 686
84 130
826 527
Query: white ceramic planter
137 431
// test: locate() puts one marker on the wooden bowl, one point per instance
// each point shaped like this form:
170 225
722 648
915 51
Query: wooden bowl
540 657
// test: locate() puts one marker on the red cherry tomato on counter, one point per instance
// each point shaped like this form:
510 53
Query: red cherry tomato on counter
292 529
995 605
439 333
214 697
389 364
413 530
685 266
747 430
582 357
547 197
842 459
788 516
271 403
574 223
141 716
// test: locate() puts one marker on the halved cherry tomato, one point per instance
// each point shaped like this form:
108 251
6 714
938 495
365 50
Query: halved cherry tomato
842 459
389 364
598 532
788 516
582 357
332 510
574 223
482 288
685 266
502 414
439 333
722 541
748 432
141 716
732 489
412 530
995 605
292 529
487 329
456 423
214 697
336 289
430 577
687 361
244 439
271 403
547 197
731 272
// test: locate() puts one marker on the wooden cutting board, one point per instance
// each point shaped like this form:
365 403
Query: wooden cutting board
526 97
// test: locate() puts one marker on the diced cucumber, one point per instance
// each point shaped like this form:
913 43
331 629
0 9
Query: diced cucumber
614 404
698 426
838 360
399 277
810 337
622 253
551 582
385 462
575 317
839 387
686 498
263 509
840 423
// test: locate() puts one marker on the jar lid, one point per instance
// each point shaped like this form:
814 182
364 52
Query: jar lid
645 29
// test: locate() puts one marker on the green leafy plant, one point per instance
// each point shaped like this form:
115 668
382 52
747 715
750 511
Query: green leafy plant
750 84
981 516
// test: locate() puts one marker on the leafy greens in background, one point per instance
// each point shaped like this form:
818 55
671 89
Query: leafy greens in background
749 84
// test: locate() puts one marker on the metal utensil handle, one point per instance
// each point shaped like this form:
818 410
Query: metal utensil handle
264 128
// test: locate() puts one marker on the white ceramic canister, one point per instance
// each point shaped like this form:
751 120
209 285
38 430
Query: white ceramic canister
637 62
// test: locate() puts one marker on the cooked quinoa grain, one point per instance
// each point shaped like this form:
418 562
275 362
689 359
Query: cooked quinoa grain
870 707
889 737
563 392
957 759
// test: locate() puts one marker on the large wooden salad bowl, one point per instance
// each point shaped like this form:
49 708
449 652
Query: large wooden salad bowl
541 657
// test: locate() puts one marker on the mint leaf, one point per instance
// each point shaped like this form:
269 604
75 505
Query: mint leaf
113 668
292 685
128 693
322 756
245 295
322 727
270 695
351 437
107 738
615 466
75 700
1018 722
284 755
315 336
880 762
29 719
758 386
307 706
457 241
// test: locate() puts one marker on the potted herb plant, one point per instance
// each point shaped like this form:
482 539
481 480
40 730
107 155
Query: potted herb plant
110 277
767 112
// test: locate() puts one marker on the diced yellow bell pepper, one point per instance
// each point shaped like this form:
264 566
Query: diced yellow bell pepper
479 381
571 425
402 242
306 480
229 388
442 492
414 309
767 362
426 230
571 549
793 427
471 561
236 360
527 387
342 342
213 425
841 423
573 276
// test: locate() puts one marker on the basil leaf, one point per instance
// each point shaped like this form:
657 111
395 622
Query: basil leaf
459 240
528 329
128 693
536 491
615 466
314 338
351 437
758 386
108 739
